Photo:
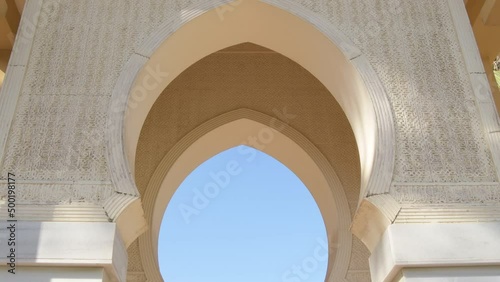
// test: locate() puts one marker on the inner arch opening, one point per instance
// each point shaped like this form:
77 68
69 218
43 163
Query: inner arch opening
242 216
232 97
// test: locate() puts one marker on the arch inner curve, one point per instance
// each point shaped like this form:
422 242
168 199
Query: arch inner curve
242 211
167 54
282 143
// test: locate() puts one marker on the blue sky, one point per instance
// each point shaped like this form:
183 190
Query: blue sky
242 216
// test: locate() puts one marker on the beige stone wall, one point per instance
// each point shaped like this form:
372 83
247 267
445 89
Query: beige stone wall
56 142
57 134
414 49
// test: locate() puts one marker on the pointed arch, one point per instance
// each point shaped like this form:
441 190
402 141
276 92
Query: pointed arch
287 146
282 26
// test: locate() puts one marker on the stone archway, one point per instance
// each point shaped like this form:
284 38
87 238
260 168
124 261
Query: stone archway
317 46
329 56
57 91
286 145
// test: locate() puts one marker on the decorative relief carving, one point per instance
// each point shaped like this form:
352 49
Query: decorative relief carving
58 128
417 55
60 193
134 259
446 193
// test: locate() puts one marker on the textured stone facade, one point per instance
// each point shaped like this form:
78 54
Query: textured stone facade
57 133
55 107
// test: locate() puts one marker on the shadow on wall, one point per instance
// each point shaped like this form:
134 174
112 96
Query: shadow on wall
496 70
